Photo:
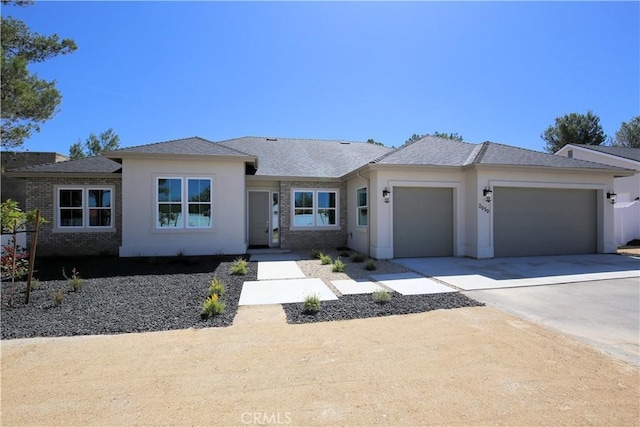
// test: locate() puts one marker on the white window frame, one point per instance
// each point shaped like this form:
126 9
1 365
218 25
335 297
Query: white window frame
184 203
361 207
314 208
85 208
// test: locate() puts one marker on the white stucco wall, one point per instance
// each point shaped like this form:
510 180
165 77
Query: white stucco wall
381 214
473 215
520 177
140 237
357 236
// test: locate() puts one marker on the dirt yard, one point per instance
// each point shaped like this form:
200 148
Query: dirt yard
472 366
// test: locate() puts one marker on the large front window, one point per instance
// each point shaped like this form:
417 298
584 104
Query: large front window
315 208
85 207
172 203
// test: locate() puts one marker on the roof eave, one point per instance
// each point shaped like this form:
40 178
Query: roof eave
115 155
117 174
620 172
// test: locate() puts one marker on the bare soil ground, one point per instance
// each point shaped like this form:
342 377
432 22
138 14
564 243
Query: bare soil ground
470 366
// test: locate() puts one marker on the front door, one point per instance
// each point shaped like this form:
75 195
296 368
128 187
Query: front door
259 218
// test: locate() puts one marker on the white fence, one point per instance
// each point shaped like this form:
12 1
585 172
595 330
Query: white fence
626 221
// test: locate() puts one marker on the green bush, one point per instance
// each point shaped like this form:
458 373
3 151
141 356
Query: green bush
315 254
325 259
239 267
345 254
311 304
212 306
338 266
357 257
216 287
370 265
381 296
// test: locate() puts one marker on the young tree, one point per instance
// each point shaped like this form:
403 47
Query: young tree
574 128
94 145
629 134
27 101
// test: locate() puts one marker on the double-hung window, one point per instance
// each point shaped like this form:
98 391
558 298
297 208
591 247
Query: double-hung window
183 202
315 208
84 208
363 208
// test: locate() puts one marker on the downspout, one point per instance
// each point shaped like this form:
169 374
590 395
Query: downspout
369 204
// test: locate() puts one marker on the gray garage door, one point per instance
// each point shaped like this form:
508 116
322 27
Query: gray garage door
422 222
543 221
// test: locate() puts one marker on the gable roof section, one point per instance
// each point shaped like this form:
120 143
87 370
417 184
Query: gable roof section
95 165
623 152
312 158
194 146
429 150
435 151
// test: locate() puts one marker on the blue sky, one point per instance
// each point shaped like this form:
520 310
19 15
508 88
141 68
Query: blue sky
499 71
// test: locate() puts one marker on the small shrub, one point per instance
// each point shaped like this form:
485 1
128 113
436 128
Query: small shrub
315 254
338 266
216 287
345 254
370 265
311 304
212 306
381 296
58 297
325 259
75 282
239 267
35 284
357 257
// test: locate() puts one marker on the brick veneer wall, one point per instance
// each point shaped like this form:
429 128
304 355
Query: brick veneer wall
40 194
311 239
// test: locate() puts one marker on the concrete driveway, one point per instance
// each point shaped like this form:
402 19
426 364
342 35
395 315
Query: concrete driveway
604 313
474 274
594 298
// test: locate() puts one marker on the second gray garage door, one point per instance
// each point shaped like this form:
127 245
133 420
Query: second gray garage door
422 222
544 221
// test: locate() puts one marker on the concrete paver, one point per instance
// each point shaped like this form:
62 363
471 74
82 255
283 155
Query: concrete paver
283 291
353 287
270 270
412 284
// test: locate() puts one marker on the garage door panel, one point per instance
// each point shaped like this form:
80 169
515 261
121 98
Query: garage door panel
543 221
422 222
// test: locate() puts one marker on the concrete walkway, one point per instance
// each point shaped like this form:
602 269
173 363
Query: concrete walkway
280 281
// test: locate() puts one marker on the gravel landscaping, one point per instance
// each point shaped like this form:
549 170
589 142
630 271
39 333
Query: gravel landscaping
363 306
121 295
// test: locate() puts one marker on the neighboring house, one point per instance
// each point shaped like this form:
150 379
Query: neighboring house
626 188
432 197
15 188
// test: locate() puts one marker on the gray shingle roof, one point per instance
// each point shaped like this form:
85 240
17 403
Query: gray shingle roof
186 146
95 164
429 150
314 158
624 152
434 151
499 154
